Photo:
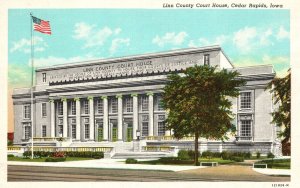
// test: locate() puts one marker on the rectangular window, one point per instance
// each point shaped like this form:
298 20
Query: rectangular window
44 131
44 77
60 130
73 108
44 109
144 128
160 104
99 106
161 125
86 130
245 128
60 127
206 59
145 125
145 103
27 112
128 105
114 105
245 100
86 109
73 131
60 108
27 132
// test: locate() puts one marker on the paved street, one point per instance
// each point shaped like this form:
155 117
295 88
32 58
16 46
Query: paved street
221 173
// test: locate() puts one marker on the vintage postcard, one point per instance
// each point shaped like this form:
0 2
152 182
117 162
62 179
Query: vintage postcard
179 93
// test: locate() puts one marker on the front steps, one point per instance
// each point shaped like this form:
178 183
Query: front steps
141 155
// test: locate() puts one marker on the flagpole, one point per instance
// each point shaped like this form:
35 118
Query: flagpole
32 67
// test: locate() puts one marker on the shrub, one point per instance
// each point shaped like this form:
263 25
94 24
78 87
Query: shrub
271 155
98 156
85 154
187 154
237 159
10 143
10 155
191 154
55 159
226 155
26 154
258 155
58 154
131 161
207 154
174 160
247 155
183 154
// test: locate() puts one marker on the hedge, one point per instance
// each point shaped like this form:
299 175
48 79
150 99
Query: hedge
131 161
187 154
174 160
55 159
85 154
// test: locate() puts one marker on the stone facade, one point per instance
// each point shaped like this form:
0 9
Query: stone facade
116 99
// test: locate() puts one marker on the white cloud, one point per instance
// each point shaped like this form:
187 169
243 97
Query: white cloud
219 40
93 36
117 31
265 37
24 45
282 33
243 39
170 38
266 59
281 63
116 43
82 30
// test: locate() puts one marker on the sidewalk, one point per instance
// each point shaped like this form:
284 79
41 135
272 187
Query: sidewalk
274 172
107 164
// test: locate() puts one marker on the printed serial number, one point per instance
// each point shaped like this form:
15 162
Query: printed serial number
280 185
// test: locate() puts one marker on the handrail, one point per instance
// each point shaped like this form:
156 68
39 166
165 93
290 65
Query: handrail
186 138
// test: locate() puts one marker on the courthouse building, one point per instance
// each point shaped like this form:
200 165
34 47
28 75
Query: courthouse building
119 99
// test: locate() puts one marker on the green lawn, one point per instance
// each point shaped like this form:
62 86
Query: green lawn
277 163
43 159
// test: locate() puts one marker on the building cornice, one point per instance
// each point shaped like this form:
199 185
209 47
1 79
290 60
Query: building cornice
132 58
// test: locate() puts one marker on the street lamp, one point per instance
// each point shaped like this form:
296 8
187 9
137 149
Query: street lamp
138 134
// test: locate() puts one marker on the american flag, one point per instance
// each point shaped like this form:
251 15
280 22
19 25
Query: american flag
41 25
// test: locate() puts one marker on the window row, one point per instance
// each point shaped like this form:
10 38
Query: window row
112 104
245 102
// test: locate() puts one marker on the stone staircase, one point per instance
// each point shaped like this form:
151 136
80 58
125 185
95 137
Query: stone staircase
141 155
118 146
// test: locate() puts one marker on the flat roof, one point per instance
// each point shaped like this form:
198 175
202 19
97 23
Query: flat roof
183 51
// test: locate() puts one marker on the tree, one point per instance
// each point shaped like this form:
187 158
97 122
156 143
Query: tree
198 103
281 88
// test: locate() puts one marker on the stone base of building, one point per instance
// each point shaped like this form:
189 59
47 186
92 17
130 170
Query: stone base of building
217 146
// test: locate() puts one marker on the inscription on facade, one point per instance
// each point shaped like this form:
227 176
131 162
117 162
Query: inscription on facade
120 69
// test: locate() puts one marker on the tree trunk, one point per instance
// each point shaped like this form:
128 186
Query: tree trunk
196 149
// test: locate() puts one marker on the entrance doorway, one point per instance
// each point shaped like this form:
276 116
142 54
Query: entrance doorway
99 126
128 128
113 130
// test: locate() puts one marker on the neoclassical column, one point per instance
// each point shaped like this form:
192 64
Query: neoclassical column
151 113
105 118
65 117
77 105
52 118
120 117
92 120
135 115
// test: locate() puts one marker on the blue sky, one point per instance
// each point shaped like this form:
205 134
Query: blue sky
248 37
